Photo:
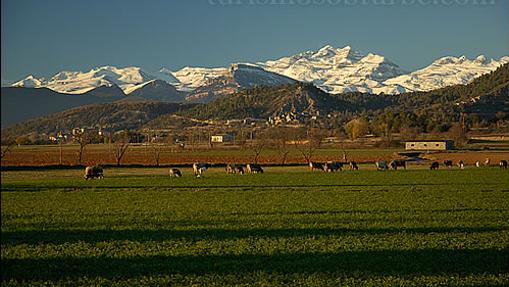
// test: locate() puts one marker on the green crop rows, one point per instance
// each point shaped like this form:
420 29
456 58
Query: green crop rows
138 227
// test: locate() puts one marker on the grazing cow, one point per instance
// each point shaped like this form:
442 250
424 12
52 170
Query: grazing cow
199 168
398 162
381 165
331 166
448 163
316 165
477 164
461 164
487 161
353 166
93 172
175 172
254 168
503 164
233 168
434 165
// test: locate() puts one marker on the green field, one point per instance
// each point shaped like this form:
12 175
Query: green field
138 227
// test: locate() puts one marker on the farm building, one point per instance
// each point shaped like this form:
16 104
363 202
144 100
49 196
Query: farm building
221 138
430 145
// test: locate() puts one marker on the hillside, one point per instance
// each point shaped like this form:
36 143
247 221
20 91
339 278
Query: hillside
296 100
21 104
485 96
158 90
113 116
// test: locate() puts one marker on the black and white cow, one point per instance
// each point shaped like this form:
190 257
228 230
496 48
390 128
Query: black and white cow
316 165
398 162
234 168
448 163
434 165
93 172
353 166
175 172
254 168
332 166
199 168
381 165
461 164
503 164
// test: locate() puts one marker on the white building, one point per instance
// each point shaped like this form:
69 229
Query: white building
430 145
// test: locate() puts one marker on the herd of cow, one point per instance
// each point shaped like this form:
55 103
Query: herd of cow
199 168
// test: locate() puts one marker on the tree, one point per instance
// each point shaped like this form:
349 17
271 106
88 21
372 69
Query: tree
279 138
307 143
257 144
7 145
458 134
121 143
357 128
83 139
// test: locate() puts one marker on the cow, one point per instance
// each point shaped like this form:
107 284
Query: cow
477 164
93 172
233 168
254 168
503 164
175 172
448 163
398 162
331 166
434 165
316 165
353 166
487 161
461 164
381 165
199 168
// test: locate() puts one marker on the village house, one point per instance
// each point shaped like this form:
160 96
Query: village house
430 145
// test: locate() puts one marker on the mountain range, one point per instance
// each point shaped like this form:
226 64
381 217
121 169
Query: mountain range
334 70
486 97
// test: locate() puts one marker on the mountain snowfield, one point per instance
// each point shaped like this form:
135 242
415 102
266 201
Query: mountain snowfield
76 82
335 70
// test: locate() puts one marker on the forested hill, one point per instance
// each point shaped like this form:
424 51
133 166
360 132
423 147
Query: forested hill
299 99
485 96
114 116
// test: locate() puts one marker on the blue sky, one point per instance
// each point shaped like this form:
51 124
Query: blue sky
44 37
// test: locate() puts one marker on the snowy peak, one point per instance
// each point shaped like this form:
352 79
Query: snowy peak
29 82
77 82
446 71
336 70
191 78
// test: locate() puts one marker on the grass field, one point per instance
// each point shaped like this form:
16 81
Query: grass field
138 227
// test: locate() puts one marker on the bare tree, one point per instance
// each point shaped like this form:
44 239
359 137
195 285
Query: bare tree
308 143
7 145
257 145
120 146
279 139
83 139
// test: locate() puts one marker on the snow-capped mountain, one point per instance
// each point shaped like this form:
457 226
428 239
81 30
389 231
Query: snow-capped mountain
29 82
337 70
227 81
76 82
446 71
191 78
